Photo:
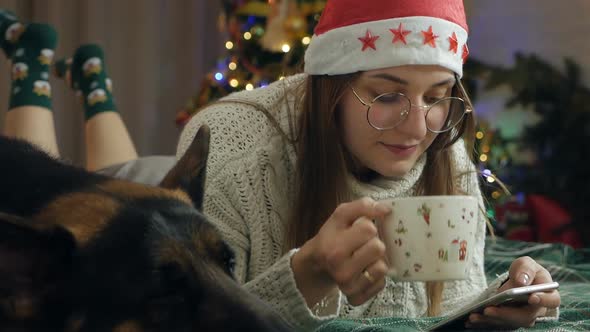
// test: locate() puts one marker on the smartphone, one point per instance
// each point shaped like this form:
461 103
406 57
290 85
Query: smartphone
514 296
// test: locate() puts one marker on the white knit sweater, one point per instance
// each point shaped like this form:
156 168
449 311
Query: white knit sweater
249 190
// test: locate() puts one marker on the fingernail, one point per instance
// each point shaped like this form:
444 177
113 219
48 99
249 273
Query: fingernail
383 208
524 278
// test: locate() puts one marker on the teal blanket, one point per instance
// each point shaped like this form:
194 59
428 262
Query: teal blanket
571 268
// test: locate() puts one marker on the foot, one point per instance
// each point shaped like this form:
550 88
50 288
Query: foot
10 31
31 58
88 75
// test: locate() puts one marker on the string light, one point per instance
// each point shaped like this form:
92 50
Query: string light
247 35
232 66
490 179
218 76
286 48
281 78
479 135
483 157
249 86
234 83
229 45
486 148
496 195
306 40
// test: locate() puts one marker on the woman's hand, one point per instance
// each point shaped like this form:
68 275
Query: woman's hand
346 253
523 271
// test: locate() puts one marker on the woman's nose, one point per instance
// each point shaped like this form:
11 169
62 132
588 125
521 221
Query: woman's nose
414 124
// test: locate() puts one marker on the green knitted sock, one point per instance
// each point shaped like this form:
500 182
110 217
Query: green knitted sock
10 31
89 76
32 57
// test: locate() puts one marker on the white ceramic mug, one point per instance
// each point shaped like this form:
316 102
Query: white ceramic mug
430 238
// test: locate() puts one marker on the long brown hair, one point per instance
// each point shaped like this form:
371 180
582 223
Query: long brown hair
323 163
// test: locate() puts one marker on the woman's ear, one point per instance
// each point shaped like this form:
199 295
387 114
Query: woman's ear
189 173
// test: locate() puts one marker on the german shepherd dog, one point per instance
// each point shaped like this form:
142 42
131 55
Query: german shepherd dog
84 252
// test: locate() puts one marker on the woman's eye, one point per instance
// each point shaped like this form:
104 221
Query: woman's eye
432 100
390 98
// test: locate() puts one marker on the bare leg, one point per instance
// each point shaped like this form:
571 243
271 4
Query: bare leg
30 50
34 124
107 140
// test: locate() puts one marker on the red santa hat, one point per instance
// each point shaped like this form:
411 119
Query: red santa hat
355 35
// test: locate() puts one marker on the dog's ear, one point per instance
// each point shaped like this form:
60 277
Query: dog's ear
33 261
189 173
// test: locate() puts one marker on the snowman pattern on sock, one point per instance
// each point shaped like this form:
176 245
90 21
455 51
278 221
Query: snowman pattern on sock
12 34
93 66
42 88
20 71
46 56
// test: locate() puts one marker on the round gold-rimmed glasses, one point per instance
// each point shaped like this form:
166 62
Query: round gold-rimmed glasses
389 110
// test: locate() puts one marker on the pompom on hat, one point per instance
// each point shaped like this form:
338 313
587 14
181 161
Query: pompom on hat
355 35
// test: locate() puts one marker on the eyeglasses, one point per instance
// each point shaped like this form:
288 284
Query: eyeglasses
389 110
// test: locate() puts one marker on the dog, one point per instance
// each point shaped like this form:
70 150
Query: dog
83 252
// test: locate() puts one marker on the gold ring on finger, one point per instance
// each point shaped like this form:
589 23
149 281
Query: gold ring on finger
368 276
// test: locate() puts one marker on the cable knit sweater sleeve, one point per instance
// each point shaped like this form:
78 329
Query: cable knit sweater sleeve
246 197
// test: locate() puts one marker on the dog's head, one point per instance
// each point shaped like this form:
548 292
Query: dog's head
150 261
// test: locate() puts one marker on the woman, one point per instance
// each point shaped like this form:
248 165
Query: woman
296 169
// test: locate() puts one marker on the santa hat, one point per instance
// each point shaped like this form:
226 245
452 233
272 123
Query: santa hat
355 35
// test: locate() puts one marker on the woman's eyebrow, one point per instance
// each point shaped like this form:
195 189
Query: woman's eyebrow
396 79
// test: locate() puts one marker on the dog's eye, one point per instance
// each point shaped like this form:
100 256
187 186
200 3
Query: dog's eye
231 265
228 260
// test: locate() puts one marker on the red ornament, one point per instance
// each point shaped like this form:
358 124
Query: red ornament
399 34
368 40
429 37
465 53
453 43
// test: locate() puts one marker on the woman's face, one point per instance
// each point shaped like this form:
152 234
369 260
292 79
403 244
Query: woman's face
393 152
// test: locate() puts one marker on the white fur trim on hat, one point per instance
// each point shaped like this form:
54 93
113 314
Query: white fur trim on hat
340 50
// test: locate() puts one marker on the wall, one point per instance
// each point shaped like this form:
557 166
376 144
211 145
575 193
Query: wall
551 29
156 53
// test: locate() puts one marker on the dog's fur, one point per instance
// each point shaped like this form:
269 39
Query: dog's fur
84 252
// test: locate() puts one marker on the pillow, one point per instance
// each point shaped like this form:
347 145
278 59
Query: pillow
147 170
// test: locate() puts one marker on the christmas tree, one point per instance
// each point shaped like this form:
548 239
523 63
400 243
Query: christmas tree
266 41
558 145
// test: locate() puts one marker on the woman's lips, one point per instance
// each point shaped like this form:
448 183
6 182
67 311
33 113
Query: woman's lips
401 150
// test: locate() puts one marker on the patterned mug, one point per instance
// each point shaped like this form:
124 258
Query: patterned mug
430 238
